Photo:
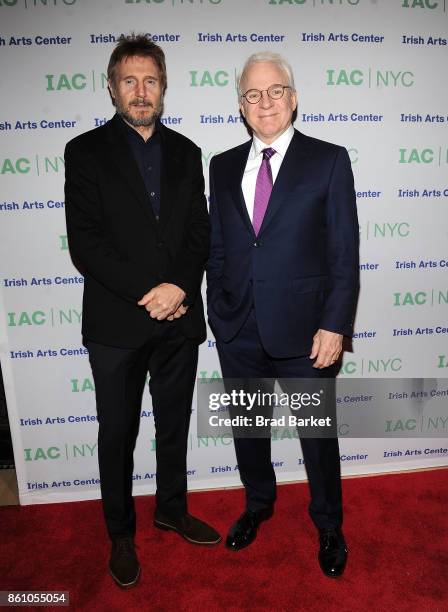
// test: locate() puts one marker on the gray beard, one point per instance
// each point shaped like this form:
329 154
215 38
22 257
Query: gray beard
144 121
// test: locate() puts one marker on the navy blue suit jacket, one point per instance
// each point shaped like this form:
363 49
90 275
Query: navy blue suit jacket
302 271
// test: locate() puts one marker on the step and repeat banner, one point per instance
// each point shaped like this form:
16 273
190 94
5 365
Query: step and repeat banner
371 75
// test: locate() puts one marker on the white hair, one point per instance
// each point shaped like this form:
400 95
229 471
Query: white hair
266 56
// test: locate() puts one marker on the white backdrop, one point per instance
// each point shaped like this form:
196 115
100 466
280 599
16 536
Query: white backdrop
371 75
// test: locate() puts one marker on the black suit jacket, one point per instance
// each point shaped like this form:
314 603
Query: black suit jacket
117 243
301 272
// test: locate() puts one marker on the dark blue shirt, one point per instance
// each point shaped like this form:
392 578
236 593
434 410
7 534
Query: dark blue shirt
148 156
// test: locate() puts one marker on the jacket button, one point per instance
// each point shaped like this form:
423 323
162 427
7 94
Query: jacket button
160 244
257 243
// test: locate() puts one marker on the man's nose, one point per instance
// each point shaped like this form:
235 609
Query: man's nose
140 89
265 100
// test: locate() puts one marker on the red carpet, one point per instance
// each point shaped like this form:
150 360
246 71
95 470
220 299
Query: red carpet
396 528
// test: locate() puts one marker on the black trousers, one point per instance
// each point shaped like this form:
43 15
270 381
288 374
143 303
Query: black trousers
244 356
119 375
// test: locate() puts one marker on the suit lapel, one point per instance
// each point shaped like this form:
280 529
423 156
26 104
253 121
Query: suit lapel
236 171
122 160
292 171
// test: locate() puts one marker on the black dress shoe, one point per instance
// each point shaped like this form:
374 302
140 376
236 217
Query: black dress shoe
123 564
332 552
190 528
244 531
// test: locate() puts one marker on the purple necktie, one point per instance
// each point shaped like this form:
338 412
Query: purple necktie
263 189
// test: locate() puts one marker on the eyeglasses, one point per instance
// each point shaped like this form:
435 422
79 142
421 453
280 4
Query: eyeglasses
275 92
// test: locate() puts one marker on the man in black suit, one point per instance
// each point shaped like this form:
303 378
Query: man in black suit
282 282
138 229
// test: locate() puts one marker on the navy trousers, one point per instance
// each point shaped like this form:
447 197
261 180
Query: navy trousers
245 357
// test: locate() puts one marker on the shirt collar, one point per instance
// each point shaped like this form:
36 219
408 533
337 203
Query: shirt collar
132 133
280 145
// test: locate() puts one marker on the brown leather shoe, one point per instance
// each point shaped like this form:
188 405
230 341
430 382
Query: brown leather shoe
190 528
123 564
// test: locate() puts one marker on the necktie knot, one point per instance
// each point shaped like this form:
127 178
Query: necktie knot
268 153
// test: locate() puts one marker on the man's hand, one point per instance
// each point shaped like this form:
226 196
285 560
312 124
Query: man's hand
327 347
179 313
163 300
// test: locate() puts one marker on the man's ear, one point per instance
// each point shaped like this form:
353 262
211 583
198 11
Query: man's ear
295 98
242 110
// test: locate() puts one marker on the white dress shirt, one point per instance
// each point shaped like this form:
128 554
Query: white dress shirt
254 162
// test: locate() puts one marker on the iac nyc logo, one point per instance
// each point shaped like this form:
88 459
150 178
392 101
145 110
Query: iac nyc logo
362 366
432 5
30 4
369 77
213 78
437 156
34 165
385 230
429 297
89 80
82 385
200 442
65 452
50 317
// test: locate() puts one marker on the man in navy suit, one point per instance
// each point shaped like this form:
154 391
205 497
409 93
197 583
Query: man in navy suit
283 282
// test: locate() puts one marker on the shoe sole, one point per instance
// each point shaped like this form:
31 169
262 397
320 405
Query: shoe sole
166 527
125 585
